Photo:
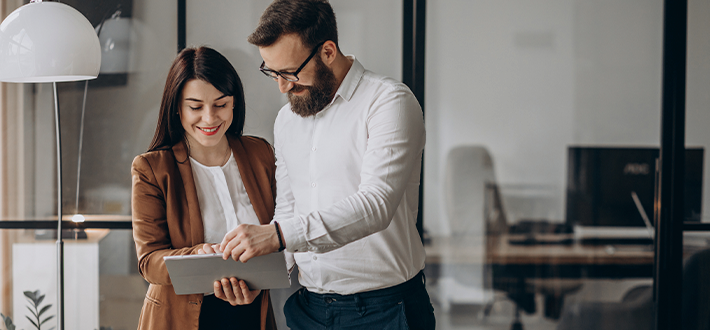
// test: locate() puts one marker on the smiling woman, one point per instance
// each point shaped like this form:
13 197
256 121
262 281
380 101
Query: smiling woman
205 114
199 180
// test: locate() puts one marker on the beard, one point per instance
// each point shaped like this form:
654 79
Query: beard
318 95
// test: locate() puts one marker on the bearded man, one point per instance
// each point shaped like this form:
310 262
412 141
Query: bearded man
348 156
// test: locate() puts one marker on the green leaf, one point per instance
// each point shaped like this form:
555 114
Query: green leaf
32 311
44 309
39 300
8 322
33 322
47 319
31 295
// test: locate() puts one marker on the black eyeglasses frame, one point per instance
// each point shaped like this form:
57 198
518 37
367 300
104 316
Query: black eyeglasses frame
276 74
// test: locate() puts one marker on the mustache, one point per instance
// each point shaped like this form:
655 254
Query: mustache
297 88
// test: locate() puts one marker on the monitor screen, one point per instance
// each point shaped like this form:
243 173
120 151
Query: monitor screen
600 182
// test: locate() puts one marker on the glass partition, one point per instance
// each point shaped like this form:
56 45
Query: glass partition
105 123
102 287
542 119
697 99
696 243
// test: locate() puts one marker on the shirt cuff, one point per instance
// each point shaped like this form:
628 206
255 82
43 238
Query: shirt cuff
293 236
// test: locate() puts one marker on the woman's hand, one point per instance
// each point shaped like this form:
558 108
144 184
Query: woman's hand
208 248
234 291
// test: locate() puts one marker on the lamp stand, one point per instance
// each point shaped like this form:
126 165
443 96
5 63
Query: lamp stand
60 242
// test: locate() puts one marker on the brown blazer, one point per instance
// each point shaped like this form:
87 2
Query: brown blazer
167 221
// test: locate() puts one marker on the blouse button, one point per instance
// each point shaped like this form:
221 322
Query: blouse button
313 184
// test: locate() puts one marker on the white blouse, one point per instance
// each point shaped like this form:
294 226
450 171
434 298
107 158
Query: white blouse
224 203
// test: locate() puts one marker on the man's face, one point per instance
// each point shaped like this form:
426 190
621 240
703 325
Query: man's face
316 85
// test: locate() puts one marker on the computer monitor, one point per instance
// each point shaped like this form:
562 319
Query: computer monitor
600 182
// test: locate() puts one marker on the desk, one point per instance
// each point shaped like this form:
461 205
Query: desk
576 260
568 261
550 269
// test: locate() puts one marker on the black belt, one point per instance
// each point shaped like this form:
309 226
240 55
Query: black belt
414 283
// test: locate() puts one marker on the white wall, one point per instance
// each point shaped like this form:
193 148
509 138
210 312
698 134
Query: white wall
371 30
528 78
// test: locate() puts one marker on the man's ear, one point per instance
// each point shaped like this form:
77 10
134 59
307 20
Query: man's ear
329 51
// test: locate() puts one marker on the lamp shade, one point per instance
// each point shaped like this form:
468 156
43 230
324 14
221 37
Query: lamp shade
48 42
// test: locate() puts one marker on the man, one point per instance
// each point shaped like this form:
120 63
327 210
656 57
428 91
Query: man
348 154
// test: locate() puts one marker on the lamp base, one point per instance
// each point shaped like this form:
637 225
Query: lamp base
67 234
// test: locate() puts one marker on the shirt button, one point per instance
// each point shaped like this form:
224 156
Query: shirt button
313 184
314 148
315 258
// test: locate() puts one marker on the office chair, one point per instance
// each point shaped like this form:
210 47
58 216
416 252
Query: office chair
468 169
518 289
635 311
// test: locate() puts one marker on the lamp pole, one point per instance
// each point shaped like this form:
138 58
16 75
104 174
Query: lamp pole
60 242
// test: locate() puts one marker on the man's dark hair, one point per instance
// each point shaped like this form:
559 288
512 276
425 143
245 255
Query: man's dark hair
312 20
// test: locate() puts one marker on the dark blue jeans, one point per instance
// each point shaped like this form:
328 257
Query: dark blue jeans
404 306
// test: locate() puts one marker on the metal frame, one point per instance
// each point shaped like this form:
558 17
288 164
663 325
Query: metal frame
413 60
52 224
181 25
668 265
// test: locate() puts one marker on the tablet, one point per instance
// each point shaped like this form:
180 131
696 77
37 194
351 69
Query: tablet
196 273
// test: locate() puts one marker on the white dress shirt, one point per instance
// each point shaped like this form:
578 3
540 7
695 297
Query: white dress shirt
348 186
224 203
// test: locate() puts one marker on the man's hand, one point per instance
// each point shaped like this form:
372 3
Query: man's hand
249 241
234 291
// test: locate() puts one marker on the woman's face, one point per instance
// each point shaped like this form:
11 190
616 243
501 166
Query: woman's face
205 113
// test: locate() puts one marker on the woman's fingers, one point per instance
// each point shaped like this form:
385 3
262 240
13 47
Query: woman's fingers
228 291
249 295
219 290
217 248
238 295
206 249
234 291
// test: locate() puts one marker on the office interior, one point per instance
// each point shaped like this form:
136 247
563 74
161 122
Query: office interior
510 88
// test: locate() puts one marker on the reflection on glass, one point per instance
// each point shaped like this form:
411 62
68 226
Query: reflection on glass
527 83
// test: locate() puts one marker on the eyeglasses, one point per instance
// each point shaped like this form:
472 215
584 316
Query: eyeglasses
289 76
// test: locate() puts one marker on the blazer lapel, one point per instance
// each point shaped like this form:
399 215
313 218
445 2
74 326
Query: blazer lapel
196 227
250 183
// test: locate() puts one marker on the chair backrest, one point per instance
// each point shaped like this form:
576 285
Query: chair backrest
468 169
696 291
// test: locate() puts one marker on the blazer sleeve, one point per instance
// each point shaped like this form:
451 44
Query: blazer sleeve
150 225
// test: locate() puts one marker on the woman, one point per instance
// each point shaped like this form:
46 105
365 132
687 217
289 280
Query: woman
199 179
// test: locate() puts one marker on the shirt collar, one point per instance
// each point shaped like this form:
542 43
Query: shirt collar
351 80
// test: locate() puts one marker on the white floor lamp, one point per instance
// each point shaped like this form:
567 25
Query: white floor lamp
49 42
